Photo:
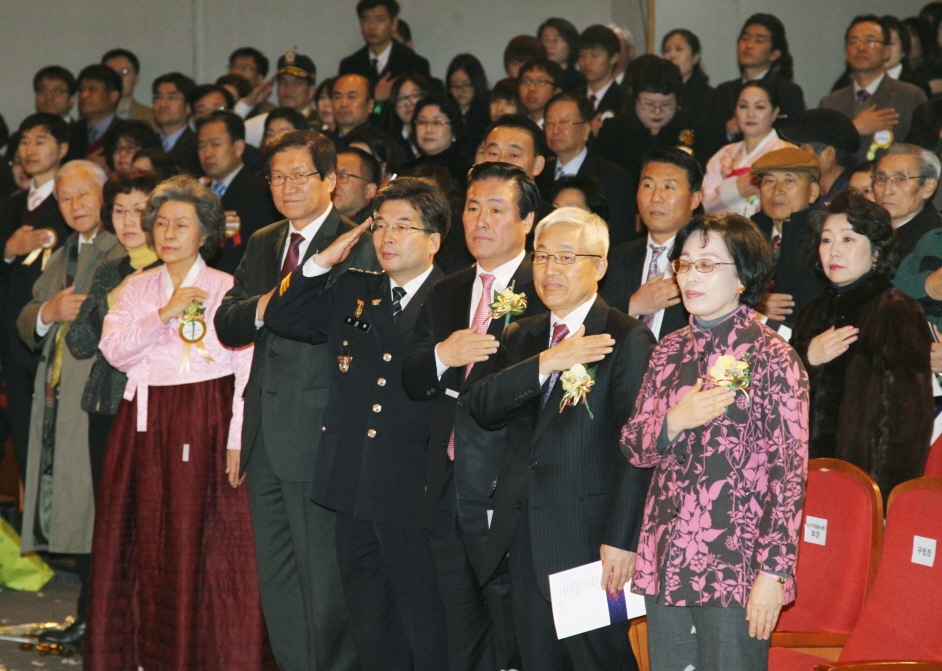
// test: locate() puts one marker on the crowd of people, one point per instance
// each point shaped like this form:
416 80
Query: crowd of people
339 383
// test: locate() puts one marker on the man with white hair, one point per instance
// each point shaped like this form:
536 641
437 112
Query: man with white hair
557 503
627 52
59 511
903 183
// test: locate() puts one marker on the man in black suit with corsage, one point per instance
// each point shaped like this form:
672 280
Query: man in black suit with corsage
452 346
565 497
370 465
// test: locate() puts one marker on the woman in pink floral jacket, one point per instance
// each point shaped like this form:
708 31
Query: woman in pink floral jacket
723 418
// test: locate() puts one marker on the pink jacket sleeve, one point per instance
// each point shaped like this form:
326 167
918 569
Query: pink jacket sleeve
132 327
242 364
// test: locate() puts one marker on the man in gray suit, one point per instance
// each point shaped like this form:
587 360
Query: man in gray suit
880 106
285 400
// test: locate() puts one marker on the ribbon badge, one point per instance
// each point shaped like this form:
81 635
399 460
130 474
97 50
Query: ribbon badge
46 250
192 332
359 310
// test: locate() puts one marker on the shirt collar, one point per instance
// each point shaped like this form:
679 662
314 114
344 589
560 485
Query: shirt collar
572 168
383 58
895 72
170 140
504 273
45 190
575 318
102 126
600 93
669 244
188 281
871 88
413 285
228 178
309 231
761 75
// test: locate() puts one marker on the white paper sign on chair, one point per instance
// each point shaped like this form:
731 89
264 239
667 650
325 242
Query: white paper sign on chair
923 550
816 530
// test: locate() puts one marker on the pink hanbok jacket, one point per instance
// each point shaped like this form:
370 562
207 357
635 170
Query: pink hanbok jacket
726 498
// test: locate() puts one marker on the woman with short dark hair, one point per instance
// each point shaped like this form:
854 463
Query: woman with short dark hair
174 558
866 346
722 419
437 128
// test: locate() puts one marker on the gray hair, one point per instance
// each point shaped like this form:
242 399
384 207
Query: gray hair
209 212
623 32
95 171
594 228
927 163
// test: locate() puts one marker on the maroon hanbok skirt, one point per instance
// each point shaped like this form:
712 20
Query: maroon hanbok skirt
174 582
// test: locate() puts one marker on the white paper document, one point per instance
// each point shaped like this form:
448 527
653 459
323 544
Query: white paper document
581 605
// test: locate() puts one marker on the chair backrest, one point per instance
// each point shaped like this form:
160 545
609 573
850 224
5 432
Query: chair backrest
902 619
934 462
838 549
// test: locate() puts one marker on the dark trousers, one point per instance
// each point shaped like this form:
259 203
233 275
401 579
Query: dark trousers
705 638
299 579
389 580
20 380
604 649
479 619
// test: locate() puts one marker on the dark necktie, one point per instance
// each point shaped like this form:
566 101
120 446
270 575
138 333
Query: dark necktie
593 100
862 96
292 257
398 294
560 331
374 68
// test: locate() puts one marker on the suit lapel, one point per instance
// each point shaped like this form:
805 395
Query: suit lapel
273 265
406 322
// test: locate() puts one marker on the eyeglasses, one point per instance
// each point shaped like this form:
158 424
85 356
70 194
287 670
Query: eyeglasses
899 180
297 178
853 42
461 87
702 265
412 97
52 92
561 258
537 82
565 124
649 106
398 229
125 148
434 123
344 177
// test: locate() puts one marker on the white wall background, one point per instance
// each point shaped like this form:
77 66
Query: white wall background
196 36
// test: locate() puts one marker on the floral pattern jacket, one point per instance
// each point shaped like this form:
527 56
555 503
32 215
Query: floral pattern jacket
726 498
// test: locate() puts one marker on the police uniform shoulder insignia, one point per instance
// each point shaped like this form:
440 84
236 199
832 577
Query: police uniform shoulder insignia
367 272
285 283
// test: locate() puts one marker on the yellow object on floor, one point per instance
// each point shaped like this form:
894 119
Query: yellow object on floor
25 572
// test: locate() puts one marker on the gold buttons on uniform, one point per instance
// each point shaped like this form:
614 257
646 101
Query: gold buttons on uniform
387 357
381 382
377 408
371 433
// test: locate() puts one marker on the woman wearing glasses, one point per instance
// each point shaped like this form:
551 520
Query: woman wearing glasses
407 90
467 85
722 417
866 346
437 128
652 120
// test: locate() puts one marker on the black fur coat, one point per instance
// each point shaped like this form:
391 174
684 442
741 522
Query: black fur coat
872 405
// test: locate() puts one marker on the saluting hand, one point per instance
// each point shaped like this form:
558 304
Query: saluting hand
697 407
340 249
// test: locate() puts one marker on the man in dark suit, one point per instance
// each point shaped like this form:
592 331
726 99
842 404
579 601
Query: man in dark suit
788 187
370 465
567 129
564 498
451 347
245 197
358 178
172 115
762 53
540 80
639 281
881 107
905 179
99 91
382 58
599 53
26 220
285 402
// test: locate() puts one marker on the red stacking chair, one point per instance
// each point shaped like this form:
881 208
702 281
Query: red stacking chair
833 577
902 618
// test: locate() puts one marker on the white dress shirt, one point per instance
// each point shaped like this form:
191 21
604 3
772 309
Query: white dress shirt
663 266
38 194
598 94
571 168
895 72
573 321
382 59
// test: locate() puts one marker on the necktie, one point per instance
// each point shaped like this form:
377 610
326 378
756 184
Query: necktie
374 68
560 170
560 331
862 95
35 200
776 243
219 188
656 251
292 257
479 323
398 294
594 100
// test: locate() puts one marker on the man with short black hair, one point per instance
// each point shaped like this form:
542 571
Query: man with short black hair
205 99
245 196
128 67
358 178
833 138
172 115
540 80
352 98
881 107
99 90
599 54
285 404
252 65
567 133
382 58
55 90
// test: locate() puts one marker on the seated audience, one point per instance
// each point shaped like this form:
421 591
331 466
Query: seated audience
539 81
560 39
682 48
866 347
861 179
582 192
55 89
208 98
599 51
295 85
99 90
156 160
358 179
505 98
323 100
120 148
880 106
437 128
128 67
728 185
467 84
396 119
281 120
252 65
521 50
172 114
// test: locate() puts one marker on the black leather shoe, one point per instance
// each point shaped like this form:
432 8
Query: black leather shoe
73 635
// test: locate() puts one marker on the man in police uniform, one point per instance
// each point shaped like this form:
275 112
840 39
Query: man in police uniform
370 466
